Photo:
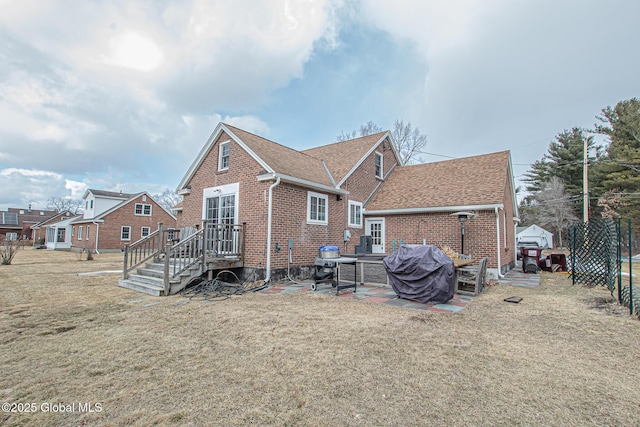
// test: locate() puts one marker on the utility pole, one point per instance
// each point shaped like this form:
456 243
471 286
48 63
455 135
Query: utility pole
585 181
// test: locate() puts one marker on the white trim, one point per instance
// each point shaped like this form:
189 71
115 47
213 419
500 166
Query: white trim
383 231
433 209
318 196
221 146
79 232
368 153
351 224
207 148
135 208
122 232
302 182
142 231
380 156
221 190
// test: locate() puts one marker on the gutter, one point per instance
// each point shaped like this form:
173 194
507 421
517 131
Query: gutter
97 235
267 276
499 272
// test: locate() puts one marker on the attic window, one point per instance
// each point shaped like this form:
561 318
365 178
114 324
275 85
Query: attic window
223 159
142 209
379 166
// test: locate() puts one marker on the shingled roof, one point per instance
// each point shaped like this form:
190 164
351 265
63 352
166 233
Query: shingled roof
342 157
284 160
464 182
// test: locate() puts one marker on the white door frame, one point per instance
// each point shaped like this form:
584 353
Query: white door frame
377 245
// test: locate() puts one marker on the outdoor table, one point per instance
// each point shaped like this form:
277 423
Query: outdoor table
335 264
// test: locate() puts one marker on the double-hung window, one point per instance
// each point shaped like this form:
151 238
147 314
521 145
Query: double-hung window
355 214
142 209
125 234
79 232
379 166
223 158
317 208
145 231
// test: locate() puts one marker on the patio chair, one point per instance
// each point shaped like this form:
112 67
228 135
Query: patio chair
471 279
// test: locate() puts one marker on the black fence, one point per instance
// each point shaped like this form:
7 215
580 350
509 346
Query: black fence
600 252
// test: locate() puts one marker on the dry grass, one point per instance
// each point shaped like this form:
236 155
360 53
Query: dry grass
563 356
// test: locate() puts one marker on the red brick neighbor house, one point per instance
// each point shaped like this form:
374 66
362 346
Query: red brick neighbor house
113 219
16 223
336 193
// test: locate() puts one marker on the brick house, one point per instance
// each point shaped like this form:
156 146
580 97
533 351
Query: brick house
336 193
113 219
420 203
16 223
281 195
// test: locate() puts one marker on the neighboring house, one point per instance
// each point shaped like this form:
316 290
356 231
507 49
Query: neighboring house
39 230
59 234
335 193
534 234
15 223
419 203
113 219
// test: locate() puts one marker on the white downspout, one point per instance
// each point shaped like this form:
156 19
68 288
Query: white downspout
97 235
267 276
499 272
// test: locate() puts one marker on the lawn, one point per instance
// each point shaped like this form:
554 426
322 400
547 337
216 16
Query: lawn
565 355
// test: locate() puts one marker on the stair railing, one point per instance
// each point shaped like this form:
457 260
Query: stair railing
182 256
143 250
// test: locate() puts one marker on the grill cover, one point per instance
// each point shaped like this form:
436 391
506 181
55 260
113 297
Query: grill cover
421 273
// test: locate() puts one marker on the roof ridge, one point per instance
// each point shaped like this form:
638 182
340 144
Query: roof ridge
268 140
347 140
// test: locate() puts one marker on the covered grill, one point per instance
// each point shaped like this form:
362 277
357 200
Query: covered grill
421 273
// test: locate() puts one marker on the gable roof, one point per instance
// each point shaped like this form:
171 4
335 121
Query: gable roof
131 198
277 160
342 158
476 182
109 194
52 219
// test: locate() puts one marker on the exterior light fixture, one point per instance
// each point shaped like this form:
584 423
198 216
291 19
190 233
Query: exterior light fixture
463 217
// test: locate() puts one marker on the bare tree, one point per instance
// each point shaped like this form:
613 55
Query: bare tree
61 204
611 202
553 208
408 141
167 199
8 249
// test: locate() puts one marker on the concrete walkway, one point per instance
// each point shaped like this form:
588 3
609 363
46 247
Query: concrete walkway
387 296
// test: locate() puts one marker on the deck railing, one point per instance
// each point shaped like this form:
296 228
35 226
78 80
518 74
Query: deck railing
137 253
185 248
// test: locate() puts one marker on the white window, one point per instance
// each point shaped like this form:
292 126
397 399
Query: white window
317 208
79 232
91 204
21 212
142 209
125 234
86 237
61 235
41 213
379 166
355 214
12 236
223 158
145 231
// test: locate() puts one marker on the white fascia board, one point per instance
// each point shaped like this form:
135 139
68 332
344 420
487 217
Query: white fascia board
367 154
433 209
184 191
302 183
514 197
207 147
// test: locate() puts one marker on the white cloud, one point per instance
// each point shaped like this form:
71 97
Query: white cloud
23 187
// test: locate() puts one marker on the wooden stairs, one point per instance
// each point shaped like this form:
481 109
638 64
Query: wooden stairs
149 279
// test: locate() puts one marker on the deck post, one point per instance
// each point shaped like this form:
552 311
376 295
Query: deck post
167 252
125 273
160 239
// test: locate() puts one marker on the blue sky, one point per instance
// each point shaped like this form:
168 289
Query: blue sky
121 95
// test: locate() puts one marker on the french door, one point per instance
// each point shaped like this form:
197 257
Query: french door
220 214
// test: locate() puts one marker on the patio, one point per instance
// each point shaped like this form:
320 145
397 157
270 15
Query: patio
379 294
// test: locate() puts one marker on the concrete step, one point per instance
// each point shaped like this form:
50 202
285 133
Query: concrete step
141 287
155 281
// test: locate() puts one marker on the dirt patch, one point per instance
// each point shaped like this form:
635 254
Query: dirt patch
303 359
